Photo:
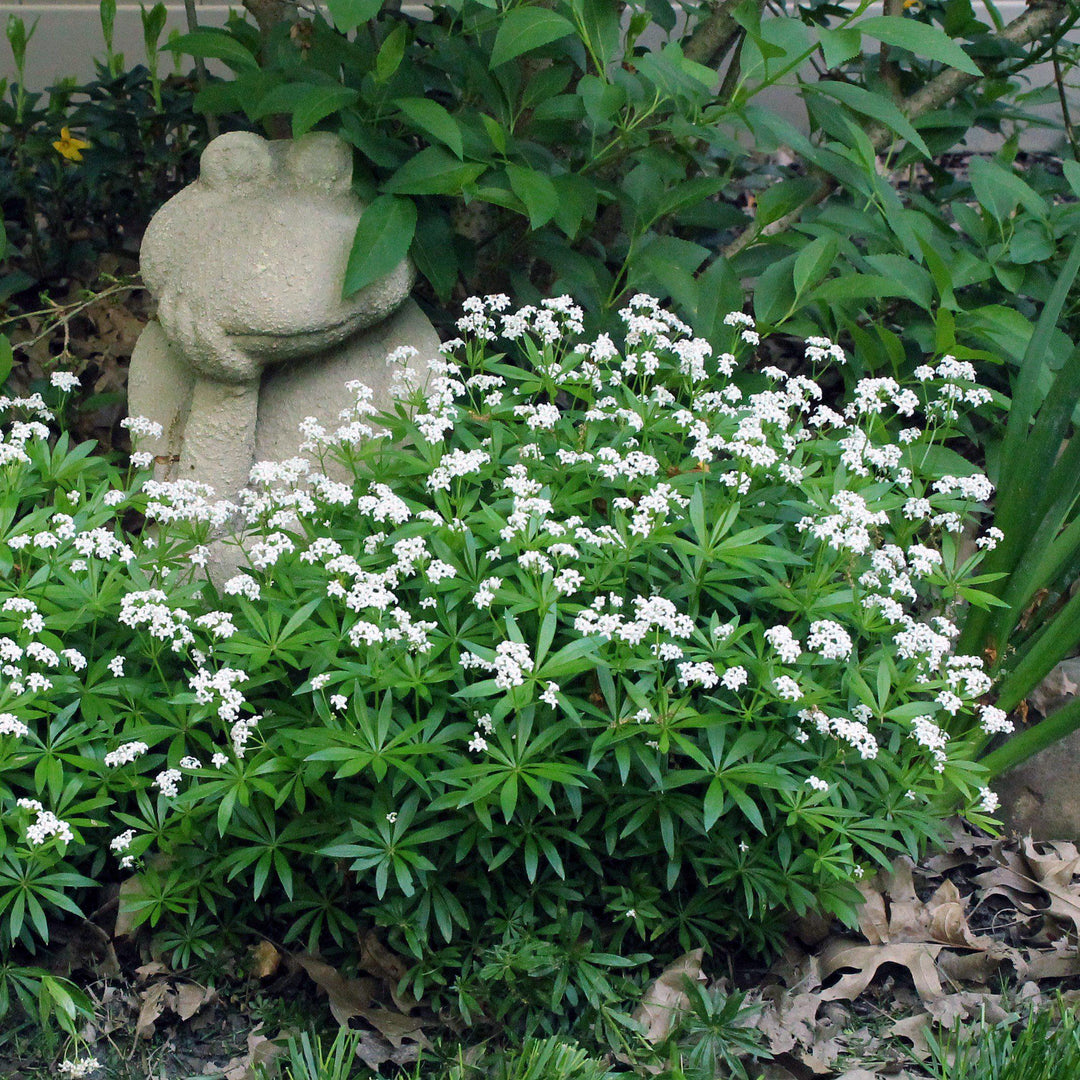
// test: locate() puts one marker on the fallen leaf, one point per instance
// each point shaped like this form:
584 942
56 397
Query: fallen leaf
376 959
265 959
189 998
873 922
786 1019
666 998
348 997
864 960
154 1002
914 1029
261 1051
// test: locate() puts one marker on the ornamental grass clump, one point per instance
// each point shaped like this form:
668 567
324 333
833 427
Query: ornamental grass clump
589 651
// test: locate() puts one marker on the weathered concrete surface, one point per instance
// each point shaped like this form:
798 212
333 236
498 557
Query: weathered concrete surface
162 386
1041 797
253 333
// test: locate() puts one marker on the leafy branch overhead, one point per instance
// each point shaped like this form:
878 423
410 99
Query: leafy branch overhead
593 148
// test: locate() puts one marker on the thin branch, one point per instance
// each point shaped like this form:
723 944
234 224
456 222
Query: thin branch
890 73
941 89
1066 116
713 35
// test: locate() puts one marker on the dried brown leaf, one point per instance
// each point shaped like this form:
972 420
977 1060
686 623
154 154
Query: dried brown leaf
666 998
265 959
1051 964
864 960
189 998
914 1029
787 1019
376 959
155 1001
348 997
873 922
260 1052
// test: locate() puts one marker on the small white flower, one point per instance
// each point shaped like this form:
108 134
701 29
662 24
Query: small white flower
64 380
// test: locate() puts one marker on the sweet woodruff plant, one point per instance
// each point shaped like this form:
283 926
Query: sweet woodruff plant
622 646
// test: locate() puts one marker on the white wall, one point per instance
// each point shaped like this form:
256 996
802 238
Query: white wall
68 37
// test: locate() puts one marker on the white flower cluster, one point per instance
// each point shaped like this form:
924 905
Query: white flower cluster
79 1068
124 755
510 664
45 825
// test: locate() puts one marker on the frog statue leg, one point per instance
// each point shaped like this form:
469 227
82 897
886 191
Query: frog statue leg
219 433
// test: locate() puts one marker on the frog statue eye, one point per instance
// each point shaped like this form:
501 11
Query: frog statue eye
320 161
237 160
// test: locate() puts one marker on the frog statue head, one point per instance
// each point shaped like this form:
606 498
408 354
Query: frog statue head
253 333
248 262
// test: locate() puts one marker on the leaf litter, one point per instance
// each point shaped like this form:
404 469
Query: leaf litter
978 931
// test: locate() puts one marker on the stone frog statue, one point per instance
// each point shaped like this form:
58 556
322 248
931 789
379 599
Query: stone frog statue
253 334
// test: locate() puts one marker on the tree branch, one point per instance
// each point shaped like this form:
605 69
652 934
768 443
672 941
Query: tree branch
713 35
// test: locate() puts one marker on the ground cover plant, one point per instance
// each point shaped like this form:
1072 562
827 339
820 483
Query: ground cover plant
591 657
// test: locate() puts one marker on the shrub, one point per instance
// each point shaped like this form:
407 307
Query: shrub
585 651
83 167
600 148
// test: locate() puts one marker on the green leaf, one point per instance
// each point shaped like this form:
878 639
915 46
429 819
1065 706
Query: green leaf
577 202
433 118
778 199
774 292
215 45
859 287
919 38
433 172
383 237
999 190
317 103
391 53
7 359
526 28
815 261
349 14
536 191
1070 168
433 252
876 106
839 46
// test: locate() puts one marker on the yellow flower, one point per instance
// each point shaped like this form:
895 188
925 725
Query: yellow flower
69 146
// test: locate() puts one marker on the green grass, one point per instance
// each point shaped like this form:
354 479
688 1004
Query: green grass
1043 1045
